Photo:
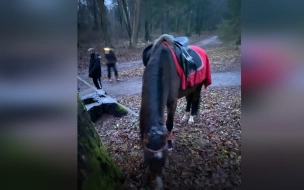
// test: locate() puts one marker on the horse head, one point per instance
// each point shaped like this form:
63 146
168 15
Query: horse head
156 139
155 153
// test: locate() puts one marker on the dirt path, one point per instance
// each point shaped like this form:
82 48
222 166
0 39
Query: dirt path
209 42
133 86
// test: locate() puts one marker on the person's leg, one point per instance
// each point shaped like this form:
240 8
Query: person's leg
109 71
115 72
97 83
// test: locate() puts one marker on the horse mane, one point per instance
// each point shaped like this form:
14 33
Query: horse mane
165 37
153 99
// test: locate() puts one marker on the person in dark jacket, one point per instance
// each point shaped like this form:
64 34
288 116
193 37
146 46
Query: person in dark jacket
95 68
111 62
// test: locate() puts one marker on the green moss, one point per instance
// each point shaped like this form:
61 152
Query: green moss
96 168
120 108
104 173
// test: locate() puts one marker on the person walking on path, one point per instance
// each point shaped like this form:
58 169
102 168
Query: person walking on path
95 68
111 62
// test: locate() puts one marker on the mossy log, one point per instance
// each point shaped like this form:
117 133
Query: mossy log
96 169
98 103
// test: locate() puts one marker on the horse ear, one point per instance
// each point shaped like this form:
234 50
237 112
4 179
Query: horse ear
146 54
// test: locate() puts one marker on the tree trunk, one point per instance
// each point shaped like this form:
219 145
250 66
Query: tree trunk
96 169
124 10
94 10
147 35
119 15
130 4
176 25
152 26
104 22
135 23
197 24
138 31
165 28
188 30
78 34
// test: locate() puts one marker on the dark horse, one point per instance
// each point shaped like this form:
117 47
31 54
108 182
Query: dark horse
162 88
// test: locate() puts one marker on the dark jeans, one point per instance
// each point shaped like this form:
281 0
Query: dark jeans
112 65
97 83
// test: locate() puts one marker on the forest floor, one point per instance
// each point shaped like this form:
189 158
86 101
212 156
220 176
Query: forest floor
207 154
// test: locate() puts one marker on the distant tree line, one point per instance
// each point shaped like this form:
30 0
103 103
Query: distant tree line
139 19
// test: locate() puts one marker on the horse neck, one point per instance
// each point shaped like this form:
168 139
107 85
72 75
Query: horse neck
155 89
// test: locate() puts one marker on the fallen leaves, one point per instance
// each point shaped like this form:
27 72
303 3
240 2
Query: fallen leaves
207 154
224 58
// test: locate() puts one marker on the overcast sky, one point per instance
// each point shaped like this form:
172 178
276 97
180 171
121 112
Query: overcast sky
108 3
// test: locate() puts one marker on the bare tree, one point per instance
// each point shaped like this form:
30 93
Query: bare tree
135 23
119 15
165 27
123 7
92 4
188 29
132 28
142 19
104 22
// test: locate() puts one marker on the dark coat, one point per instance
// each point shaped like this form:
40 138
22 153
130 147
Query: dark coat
110 57
94 68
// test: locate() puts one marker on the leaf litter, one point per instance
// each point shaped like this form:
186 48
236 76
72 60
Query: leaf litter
207 154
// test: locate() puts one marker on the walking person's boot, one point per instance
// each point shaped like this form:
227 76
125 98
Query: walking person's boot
117 79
